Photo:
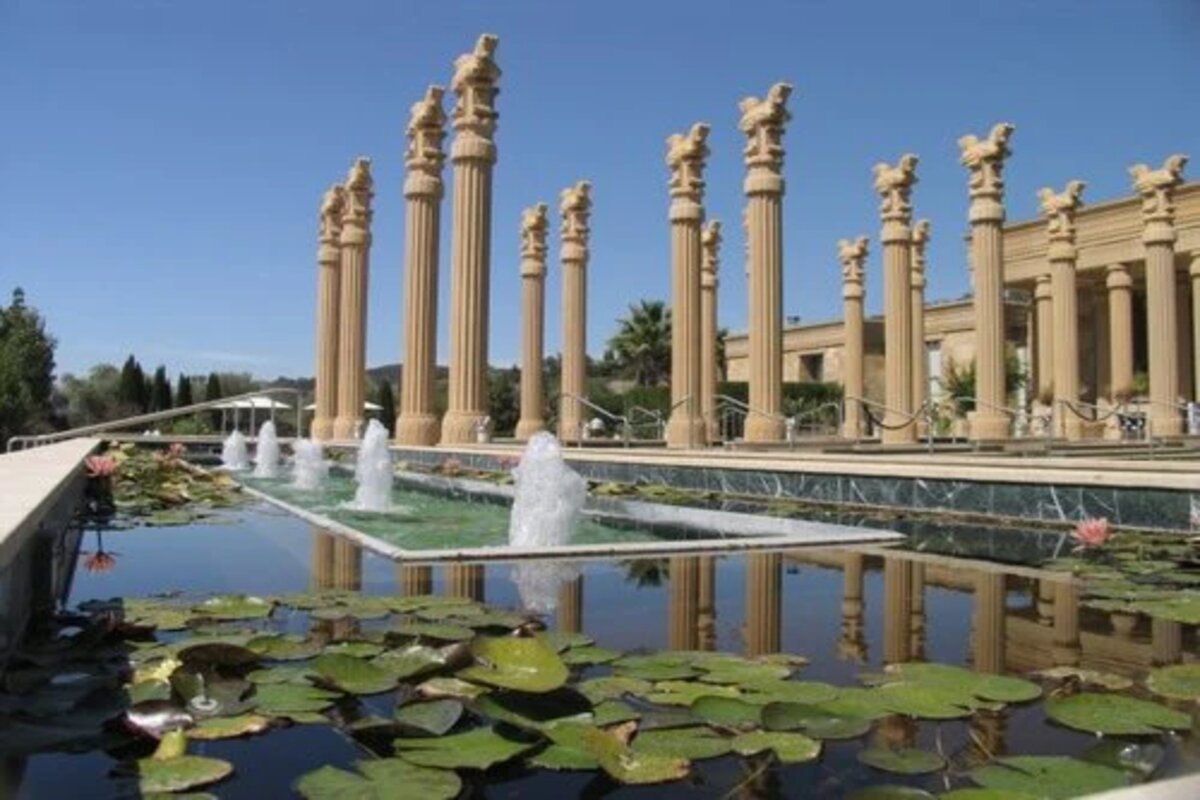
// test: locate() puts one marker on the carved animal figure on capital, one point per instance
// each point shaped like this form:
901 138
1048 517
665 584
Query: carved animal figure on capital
1155 185
852 253
574 204
475 77
533 230
763 120
685 156
426 124
985 157
1060 208
894 184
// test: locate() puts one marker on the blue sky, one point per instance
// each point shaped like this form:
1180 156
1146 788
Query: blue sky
162 162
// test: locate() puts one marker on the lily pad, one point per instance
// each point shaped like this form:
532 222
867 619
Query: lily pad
562 640
727 712
1114 714
535 712
442 632
987 794
734 670
888 791
353 675
691 743
790 748
380 779
611 687
281 699
235 606
558 757
434 717
855 702
1048 776
450 687
777 691
180 773
284 648
684 693
904 761
813 721
357 649
286 674
1139 760
526 664
989 687
1178 682
587 655
611 712
410 661
229 727
923 701
477 749
619 761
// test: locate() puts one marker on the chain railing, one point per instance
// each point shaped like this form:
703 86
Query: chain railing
923 411
732 414
654 418
621 420
1020 419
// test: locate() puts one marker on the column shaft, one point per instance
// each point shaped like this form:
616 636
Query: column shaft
897 608
894 185
1194 273
853 255
352 321
920 362
990 610
710 242
464 580
1120 332
569 614
416 580
576 207
328 312
533 308
1066 349
1044 327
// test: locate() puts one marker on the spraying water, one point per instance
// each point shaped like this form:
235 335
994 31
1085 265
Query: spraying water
547 498
373 471
233 452
310 468
266 455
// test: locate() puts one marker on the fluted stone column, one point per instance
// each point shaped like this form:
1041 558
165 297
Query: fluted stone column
568 617
1157 188
534 225
321 569
686 154
1119 284
355 239
473 155
853 257
764 596
920 362
985 161
415 580
990 610
894 185
897 609
1194 274
1059 210
1183 336
683 604
1044 323
417 423
763 124
465 580
710 242
329 292
575 205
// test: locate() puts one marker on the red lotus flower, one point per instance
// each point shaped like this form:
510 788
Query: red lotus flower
451 466
176 451
1091 533
100 561
100 466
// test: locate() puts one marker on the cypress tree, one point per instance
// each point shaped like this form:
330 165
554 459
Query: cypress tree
183 391
387 404
212 391
160 390
129 389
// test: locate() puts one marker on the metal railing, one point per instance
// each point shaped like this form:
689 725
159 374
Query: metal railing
732 414
654 418
620 419
38 440
1021 419
923 411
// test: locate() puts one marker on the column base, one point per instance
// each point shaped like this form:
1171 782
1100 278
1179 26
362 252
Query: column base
987 425
1070 426
570 429
1165 424
685 431
321 429
528 427
461 427
347 428
421 430
713 429
898 435
764 429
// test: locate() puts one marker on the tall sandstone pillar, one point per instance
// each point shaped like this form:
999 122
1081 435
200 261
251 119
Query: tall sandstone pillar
686 154
1194 274
1044 325
985 161
1059 210
575 205
473 155
920 362
853 256
1119 283
534 225
763 124
710 243
355 239
329 294
894 185
417 423
1157 188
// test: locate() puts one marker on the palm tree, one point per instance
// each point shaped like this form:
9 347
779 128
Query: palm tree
641 347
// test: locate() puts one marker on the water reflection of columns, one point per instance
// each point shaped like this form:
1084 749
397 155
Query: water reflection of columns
989 622
1045 603
853 644
764 589
464 580
569 614
415 581
1166 641
897 609
706 604
683 607
1066 624
322 560
985 741
347 565
916 647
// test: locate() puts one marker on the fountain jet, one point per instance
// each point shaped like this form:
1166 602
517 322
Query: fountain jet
266 455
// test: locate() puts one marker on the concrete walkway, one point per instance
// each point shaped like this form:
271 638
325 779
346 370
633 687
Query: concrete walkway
31 481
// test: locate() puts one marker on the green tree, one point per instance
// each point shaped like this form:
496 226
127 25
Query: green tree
160 390
26 369
212 391
131 392
959 380
183 391
504 404
93 398
386 399
641 347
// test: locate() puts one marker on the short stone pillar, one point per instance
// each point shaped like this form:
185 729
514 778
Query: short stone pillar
1157 188
534 224
355 239
1059 210
985 161
920 362
575 205
853 257
329 276
710 243
1044 345
763 123
417 423
894 185
686 154
473 155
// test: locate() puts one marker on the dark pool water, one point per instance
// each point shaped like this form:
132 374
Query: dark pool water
849 611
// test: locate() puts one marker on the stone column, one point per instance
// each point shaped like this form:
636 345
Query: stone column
853 255
416 581
763 124
1059 210
764 589
985 161
473 155
920 362
534 225
1044 324
1183 326
464 580
417 423
686 154
683 606
575 205
329 294
894 185
1157 188
710 242
568 617
1120 340
355 239
1194 273
897 609
990 610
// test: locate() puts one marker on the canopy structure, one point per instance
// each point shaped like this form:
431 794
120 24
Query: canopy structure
253 403
367 406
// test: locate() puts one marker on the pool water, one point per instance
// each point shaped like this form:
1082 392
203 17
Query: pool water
849 611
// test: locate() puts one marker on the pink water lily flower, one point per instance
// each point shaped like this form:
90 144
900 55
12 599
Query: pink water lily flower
1091 533
100 466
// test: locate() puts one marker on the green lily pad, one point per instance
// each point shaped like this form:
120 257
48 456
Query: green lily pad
656 672
684 693
353 675
235 606
1183 607
148 690
477 749
888 791
356 649
1048 776
611 712
776 691
619 761
1114 714
228 727
691 743
535 712
563 640
284 648
1138 760
526 664
380 779
558 758
433 717
987 794
735 670
923 701
904 761
611 687
727 712
1178 682
587 655
450 687
282 699
410 661
180 773
997 688
813 721
855 702
790 748
291 673
442 632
